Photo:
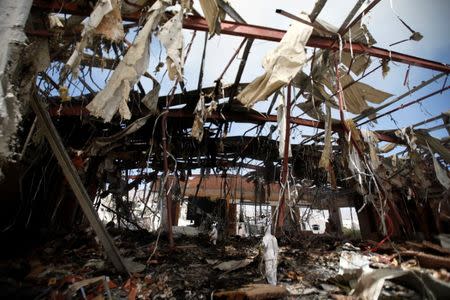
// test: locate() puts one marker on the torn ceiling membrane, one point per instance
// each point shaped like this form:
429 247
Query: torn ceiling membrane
281 64
115 95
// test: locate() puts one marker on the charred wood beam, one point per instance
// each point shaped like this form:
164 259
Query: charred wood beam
75 183
265 33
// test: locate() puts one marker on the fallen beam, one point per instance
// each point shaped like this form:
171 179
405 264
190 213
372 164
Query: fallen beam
75 183
263 33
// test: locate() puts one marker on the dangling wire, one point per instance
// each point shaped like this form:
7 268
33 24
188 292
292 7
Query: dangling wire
415 36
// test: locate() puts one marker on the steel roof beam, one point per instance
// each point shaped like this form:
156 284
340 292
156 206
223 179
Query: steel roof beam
263 33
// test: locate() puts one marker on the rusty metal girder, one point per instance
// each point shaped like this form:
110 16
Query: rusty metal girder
260 32
77 110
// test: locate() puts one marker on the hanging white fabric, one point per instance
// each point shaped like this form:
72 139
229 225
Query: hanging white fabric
281 64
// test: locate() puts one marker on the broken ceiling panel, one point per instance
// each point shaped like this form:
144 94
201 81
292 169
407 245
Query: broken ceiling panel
281 64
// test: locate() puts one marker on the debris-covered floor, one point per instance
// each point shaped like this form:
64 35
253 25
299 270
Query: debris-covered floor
310 267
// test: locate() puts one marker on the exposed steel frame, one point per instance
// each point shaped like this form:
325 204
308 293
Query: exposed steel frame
263 33
77 110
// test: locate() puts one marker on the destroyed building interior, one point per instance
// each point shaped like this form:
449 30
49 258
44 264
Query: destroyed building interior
214 149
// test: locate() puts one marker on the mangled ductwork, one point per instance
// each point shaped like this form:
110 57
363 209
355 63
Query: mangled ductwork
213 15
114 96
105 21
281 64
171 36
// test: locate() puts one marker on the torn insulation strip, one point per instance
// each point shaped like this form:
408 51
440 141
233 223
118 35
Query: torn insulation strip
112 29
441 174
171 36
114 96
197 127
281 64
356 95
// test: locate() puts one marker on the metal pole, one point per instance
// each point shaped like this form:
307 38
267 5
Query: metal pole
166 172
406 105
